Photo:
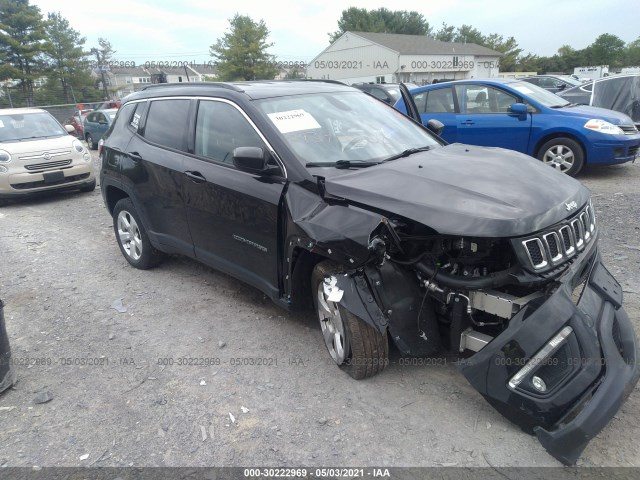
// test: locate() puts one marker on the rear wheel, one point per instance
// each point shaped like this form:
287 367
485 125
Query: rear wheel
563 154
132 237
355 346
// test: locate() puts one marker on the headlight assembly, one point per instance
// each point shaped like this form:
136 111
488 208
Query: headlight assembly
603 126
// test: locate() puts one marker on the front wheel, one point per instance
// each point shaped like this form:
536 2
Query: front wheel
356 347
132 237
90 143
563 154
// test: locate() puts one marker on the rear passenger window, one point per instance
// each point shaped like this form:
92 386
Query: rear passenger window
220 128
167 123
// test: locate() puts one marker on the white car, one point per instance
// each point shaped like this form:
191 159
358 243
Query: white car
38 154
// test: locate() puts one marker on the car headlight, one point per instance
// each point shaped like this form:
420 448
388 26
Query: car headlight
78 146
603 126
5 157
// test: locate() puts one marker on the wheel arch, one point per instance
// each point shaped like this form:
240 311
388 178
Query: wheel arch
112 196
553 135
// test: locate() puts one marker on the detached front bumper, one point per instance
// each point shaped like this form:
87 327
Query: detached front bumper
562 369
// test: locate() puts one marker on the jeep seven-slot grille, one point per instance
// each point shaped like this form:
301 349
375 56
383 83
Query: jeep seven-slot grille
558 244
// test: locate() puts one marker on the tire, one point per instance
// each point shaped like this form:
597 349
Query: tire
358 348
132 237
89 187
90 143
563 154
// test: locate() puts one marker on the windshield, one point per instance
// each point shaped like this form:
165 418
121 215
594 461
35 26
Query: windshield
23 126
538 94
329 127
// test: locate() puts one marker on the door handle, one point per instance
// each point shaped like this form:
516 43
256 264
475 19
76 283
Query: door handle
196 177
468 122
135 156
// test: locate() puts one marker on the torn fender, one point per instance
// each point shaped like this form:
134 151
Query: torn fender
337 231
388 297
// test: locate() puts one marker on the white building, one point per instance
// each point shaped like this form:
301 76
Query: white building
391 57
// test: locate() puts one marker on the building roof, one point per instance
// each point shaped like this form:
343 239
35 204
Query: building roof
421 44
134 71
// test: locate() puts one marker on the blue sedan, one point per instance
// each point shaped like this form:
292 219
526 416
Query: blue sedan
524 117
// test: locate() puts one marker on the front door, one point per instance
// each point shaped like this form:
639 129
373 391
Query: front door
233 215
485 118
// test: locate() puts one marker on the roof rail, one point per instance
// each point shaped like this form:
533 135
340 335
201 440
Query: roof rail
229 86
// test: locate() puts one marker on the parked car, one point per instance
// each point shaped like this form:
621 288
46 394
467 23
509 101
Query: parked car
37 154
521 116
76 122
387 92
616 92
553 83
96 124
325 198
108 104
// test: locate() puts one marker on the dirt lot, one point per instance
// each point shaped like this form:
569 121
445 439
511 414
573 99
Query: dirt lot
265 392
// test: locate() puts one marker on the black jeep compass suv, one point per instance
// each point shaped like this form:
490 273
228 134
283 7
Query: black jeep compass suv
315 193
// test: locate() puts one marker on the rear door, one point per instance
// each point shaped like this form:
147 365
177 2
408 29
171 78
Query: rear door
153 166
485 118
233 215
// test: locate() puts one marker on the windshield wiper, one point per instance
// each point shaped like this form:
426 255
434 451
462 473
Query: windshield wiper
343 164
407 152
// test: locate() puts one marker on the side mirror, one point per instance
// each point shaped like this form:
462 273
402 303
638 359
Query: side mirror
561 86
250 159
436 126
69 128
518 109
102 122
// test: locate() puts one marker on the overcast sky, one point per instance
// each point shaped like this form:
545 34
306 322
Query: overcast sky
183 30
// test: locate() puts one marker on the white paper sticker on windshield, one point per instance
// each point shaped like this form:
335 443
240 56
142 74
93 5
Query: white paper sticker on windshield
523 89
293 121
1 124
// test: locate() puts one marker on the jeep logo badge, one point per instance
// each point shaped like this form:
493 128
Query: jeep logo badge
571 206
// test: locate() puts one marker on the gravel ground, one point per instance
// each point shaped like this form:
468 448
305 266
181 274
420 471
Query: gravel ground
265 392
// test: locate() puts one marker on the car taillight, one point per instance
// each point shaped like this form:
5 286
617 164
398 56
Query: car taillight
100 144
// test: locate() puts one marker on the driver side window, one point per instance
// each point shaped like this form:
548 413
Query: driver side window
220 128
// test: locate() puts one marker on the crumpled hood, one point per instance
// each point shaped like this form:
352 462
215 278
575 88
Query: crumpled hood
464 190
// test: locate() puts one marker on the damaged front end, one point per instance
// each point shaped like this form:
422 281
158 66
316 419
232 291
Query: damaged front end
536 319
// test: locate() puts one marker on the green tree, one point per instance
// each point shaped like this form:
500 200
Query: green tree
103 54
382 20
468 34
606 50
22 42
508 48
633 53
528 63
242 52
67 58
446 33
